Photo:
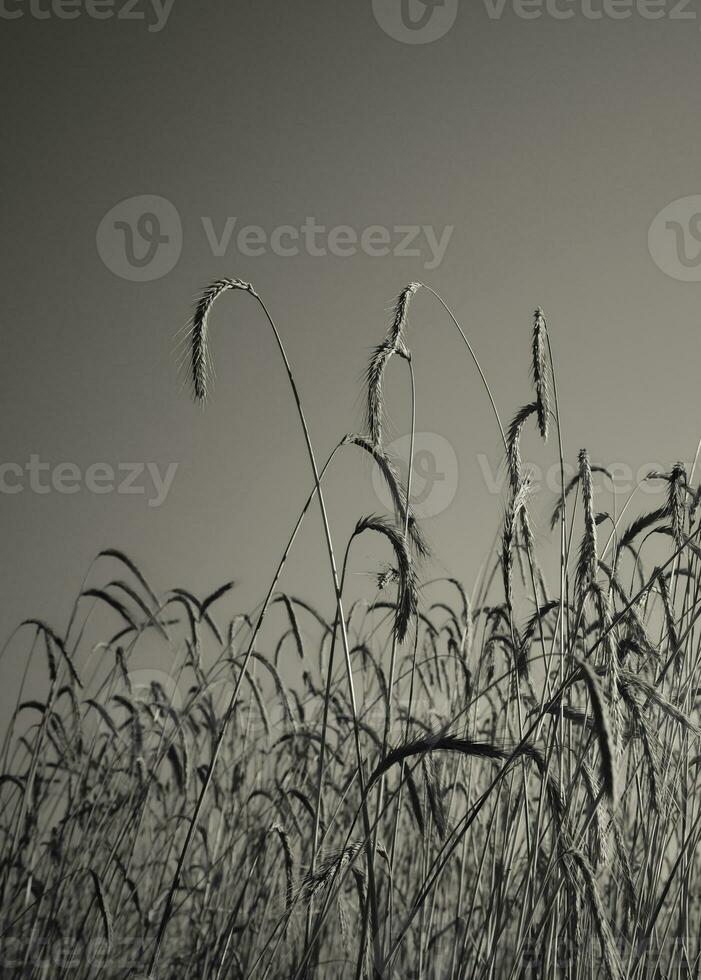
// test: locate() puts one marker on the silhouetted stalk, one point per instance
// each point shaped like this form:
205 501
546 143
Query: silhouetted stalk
232 704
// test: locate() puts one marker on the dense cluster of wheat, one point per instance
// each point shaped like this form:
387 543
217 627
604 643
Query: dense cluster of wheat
498 783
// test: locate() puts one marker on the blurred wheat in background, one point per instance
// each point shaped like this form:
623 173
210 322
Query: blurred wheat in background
435 782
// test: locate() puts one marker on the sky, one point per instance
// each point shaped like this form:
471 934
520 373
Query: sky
509 155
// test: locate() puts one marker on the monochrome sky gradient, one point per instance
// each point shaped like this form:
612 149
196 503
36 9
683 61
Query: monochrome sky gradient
548 146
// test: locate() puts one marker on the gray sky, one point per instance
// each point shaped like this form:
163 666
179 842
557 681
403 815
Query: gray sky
548 146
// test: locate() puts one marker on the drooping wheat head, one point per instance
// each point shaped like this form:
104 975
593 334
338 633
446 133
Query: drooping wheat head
201 362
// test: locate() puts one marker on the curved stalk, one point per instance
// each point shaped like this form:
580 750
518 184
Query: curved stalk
232 704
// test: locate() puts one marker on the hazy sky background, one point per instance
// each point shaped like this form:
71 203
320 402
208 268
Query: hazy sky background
549 145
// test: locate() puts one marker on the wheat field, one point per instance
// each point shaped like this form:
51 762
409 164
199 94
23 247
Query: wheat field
492 779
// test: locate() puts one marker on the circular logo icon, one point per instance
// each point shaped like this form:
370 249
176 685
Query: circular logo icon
434 474
154 688
140 239
415 21
674 239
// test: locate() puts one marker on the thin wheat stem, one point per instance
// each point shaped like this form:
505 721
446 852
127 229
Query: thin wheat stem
197 362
